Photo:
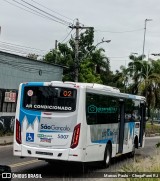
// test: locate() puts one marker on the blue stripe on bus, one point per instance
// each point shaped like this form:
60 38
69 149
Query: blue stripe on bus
45 131
34 84
103 141
30 115
131 127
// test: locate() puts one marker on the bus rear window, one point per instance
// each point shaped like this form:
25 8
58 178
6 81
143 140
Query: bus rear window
47 98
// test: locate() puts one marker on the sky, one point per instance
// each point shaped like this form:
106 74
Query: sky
121 21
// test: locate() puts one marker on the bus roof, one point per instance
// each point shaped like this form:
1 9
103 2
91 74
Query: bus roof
95 86
100 87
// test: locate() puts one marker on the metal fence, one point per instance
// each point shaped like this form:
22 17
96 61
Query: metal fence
155 115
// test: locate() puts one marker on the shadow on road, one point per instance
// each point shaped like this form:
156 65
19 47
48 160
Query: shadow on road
72 170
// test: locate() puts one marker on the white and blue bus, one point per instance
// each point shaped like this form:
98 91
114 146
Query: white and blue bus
79 122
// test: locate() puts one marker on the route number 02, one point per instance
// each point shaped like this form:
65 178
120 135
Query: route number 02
67 93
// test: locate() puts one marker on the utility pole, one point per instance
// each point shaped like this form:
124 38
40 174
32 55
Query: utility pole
56 43
77 27
77 51
145 26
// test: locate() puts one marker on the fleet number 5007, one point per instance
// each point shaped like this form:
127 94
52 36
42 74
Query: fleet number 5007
61 136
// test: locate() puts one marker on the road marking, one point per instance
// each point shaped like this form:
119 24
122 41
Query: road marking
24 163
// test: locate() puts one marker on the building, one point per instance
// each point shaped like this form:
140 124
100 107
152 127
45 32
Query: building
15 69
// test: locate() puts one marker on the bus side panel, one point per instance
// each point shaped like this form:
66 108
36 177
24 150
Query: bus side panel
17 147
80 150
92 149
131 131
97 138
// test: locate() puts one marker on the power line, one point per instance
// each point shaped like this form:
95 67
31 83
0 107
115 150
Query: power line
18 50
26 47
27 10
33 11
41 13
119 31
67 36
13 51
52 10
59 20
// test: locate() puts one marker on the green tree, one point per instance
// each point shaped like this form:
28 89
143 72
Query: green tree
93 64
134 71
146 79
32 56
120 79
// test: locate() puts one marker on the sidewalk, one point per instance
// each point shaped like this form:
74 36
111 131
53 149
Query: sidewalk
6 140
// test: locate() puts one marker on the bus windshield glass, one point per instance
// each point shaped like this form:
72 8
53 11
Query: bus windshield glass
48 98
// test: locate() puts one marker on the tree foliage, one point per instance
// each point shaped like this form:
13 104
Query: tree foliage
93 65
32 56
140 77
146 79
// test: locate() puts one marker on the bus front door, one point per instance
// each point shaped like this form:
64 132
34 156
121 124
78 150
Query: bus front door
121 126
142 124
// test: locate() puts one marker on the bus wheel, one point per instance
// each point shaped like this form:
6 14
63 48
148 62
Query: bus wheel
107 156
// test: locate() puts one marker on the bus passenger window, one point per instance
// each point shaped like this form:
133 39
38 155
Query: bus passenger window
132 110
101 109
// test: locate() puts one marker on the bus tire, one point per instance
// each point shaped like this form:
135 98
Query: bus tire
107 156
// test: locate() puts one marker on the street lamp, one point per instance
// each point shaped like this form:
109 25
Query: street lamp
155 54
133 53
103 41
145 25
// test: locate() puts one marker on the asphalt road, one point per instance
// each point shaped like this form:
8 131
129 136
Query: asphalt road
66 171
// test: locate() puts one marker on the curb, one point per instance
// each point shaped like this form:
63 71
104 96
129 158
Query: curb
153 135
6 140
5 144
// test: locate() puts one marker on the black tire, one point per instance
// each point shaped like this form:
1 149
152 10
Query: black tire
107 156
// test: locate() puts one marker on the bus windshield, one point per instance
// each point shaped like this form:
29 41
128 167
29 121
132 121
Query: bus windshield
48 98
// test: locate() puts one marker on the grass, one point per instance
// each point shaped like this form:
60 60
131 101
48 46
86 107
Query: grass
151 129
150 164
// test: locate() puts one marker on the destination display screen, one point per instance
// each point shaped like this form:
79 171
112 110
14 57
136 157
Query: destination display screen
47 98
66 93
